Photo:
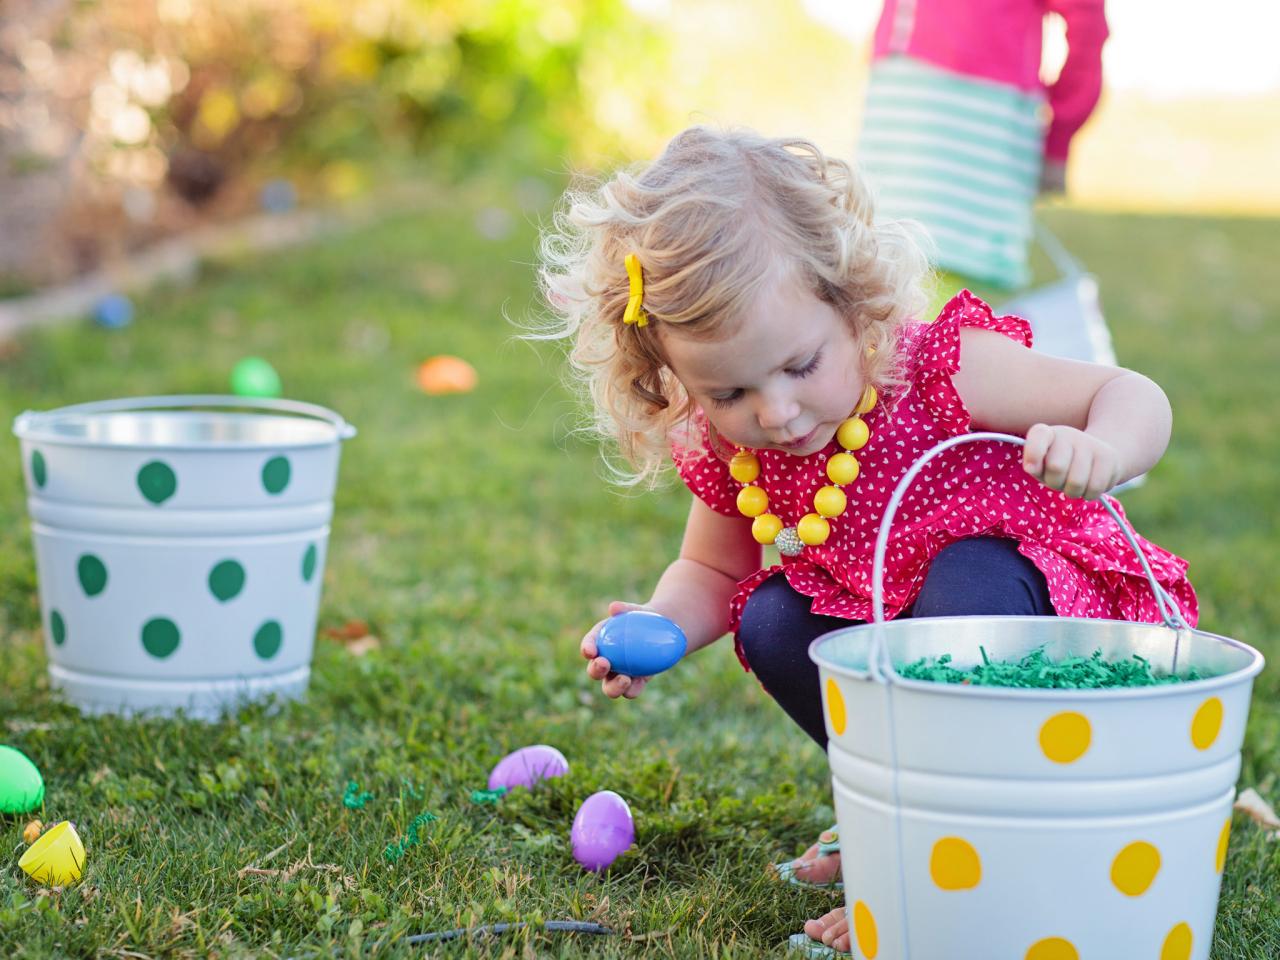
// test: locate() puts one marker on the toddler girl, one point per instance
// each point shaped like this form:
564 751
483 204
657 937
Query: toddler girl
736 307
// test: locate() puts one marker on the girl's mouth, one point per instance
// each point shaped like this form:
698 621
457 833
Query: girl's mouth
799 442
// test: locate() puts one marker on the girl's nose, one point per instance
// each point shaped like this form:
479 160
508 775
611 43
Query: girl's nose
776 410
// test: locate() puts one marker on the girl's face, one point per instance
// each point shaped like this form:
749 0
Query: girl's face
786 376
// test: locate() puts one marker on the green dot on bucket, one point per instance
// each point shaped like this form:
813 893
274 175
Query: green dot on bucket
157 481
226 580
309 563
57 628
275 474
266 642
92 573
160 637
39 472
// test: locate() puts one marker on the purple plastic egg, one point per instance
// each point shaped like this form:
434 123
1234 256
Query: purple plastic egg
528 765
602 830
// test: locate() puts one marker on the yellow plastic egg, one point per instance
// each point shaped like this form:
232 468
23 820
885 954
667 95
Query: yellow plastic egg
752 501
744 467
868 401
813 530
765 528
830 501
57 858
843 468
853 434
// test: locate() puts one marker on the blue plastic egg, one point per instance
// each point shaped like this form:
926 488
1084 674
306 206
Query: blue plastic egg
113 311
640 643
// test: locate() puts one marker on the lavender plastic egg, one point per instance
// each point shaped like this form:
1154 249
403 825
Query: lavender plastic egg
602 830
528 765
640 643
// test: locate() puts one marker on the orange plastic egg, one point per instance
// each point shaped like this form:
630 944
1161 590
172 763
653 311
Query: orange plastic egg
446 374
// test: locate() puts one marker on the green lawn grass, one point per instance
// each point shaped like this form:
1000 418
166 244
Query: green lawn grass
478 540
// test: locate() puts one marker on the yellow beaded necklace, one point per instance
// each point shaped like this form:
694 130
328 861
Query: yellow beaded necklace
829 502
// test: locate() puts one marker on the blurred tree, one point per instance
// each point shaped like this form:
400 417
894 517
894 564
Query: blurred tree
140 115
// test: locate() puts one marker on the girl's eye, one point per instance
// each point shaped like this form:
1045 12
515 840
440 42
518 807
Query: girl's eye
727 401
808 368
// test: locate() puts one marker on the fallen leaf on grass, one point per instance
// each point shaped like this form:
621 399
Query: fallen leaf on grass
355 636
351 630
1259 811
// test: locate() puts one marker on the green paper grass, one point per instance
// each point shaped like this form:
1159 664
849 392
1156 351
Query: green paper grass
398 848
354 798
1037 671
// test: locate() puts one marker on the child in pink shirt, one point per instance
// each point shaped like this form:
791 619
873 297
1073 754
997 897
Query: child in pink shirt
954 133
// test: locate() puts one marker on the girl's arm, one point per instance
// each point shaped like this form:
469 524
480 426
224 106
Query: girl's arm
696 588
1088 427
694 591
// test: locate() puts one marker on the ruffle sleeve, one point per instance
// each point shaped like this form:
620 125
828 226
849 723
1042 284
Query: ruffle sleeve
935 355
704 473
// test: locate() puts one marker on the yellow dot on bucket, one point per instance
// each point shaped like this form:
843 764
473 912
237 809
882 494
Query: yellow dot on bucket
835 706
1065 737
955 865
1177 945
1224 840
864 928
1135 867
1206 723
1053 948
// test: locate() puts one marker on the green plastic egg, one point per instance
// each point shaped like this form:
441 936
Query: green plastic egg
255 377
21 786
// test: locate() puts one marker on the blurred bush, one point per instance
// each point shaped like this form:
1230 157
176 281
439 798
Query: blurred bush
127 118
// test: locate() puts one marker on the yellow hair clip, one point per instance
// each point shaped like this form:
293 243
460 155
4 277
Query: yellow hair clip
635 313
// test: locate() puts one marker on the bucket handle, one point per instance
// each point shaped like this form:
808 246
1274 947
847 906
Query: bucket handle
1068 267
346 431
879 663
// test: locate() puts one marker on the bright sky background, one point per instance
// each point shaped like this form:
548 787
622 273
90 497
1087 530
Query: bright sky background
1164 48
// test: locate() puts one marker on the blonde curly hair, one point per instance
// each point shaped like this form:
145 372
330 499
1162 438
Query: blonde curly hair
712 220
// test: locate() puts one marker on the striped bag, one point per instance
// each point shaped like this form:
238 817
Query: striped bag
960 155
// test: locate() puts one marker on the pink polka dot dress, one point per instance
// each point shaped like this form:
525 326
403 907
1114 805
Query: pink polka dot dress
973 490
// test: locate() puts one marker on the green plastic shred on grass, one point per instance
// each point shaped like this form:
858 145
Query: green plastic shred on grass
1036 670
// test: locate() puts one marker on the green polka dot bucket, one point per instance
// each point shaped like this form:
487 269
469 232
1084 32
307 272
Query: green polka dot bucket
180 546
1031 823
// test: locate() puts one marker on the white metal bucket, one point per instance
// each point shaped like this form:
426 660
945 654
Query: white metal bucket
1029 824
180 546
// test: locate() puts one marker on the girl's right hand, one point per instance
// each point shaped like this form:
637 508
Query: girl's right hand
613 685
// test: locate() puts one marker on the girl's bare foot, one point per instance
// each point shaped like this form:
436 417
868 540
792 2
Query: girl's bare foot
809 867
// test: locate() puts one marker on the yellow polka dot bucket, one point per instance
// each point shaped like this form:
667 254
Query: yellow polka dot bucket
1031 824
180 546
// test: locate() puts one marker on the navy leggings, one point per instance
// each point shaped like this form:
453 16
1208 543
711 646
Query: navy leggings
983 576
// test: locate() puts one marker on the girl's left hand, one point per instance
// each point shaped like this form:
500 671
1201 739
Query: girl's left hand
1071 460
